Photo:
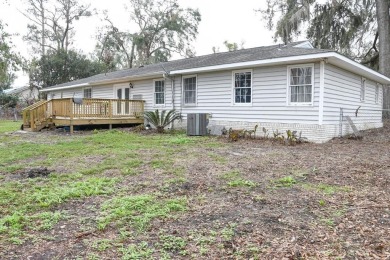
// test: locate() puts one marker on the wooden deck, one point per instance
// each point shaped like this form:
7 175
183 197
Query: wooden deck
90 111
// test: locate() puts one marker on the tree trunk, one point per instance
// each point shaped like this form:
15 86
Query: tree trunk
43 40
15 115
383 16
132 55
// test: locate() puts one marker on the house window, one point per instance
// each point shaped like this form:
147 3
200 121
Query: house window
189 88
377 93
88 93
242 87
363 89
159 96
301 84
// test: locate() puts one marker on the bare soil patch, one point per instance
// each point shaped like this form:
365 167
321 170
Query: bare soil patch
250 199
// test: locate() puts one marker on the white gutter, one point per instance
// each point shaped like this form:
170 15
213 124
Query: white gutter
107 81
249 64
125 79
64 87
332 57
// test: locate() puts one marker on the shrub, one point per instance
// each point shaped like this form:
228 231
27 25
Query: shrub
161 120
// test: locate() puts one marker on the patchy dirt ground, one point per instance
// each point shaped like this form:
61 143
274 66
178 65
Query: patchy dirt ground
250 199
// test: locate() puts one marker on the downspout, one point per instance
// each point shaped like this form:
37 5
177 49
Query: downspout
322 90
172 79
173 91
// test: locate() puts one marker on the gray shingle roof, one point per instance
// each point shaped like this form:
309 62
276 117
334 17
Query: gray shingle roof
251 54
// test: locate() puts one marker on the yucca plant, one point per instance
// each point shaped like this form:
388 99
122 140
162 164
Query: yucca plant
161 120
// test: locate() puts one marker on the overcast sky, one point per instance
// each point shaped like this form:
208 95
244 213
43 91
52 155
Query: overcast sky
234 21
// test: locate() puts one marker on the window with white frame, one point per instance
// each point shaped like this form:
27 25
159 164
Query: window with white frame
301 84
159 92
363 89
377 93
87 92
189 88
242 87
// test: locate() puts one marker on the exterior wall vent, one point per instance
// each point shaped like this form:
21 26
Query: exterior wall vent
197 124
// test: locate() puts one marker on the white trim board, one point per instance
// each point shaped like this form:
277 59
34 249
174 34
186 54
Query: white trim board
331 57
305 45
110 81
322 93
66 87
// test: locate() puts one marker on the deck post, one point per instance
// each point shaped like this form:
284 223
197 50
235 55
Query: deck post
71 116
32 120
110 112
110 108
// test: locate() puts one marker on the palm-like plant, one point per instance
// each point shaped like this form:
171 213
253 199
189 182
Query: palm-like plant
161 120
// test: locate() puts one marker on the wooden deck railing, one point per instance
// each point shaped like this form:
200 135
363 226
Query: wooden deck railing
87 108
97 108
35 114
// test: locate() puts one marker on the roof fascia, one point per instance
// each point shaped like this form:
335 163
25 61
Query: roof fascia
333 58
102 82
64 87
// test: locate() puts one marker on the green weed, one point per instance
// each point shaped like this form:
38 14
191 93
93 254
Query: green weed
287 181
231 175
218 158
235 180
228 232
241 183
139 210
46 220
47 196
326 188
179 140
328 222
137 251
102 244
172 243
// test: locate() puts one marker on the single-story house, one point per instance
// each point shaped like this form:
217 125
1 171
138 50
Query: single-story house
278 87
26 93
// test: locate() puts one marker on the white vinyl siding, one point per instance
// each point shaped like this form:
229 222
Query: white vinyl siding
363 89
214 96
104 91
300 84
343 90
144 89
377 87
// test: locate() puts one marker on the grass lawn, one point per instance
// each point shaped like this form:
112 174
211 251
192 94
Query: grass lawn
125 195
7 126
